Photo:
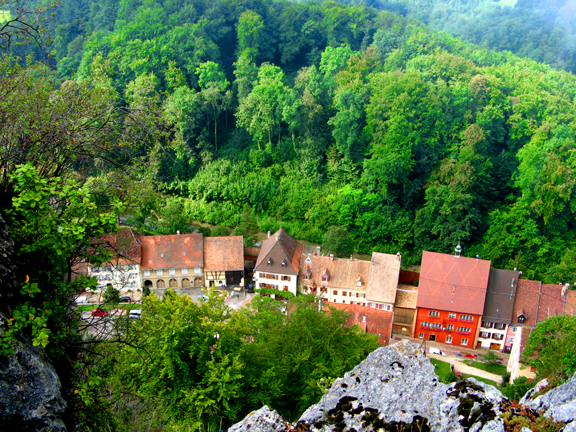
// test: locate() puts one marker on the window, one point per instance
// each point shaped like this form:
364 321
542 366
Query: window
511 340
449 339
335 292
325 277
436 326
450 327
420 335
146 272
197 270
172 272
359 283
497 336
159 272
452 316
513 329
425 324
344 293
269 262
467 318
285 288
263 285
464 342
284 264
521 319
343 301
485 335
286 278
487 324
464 330
434 314
184 271
306 275
499 326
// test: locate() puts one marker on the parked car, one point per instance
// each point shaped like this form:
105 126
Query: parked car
125 299
436 351
135 314
203 297
99 312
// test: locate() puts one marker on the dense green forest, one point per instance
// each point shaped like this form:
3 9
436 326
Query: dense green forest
358 128
321 115
543 30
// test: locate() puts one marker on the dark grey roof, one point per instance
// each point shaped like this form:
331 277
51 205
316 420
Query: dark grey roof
502 288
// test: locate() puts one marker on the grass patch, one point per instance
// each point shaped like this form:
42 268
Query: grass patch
497 369
446 376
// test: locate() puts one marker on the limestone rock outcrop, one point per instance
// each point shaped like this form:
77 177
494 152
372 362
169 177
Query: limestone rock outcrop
396 388
262 420
30 398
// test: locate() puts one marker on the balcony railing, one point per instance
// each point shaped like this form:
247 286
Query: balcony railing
463 332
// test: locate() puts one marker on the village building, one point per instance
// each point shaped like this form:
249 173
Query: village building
123 270
374 321
337 280
278 263
223 261
383 280
498 309
175 261
451 296
405 309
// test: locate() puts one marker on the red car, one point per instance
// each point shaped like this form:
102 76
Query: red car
470 356
99 312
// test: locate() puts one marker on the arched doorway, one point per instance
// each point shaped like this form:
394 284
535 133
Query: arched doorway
185 283
148 284
160 284
173 283
197 281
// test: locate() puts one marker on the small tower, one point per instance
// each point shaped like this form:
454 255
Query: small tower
458 250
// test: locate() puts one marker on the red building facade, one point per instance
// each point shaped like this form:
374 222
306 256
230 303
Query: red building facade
454 328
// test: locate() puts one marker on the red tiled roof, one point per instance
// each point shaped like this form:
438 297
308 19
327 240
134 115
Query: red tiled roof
172 251
571 302
342 272
551 303
224 253
383 279
123 245
453 283
378 322
526 302
406 296
278 248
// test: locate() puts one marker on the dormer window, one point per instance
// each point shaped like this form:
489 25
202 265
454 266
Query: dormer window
359 282
521 319
284 263
308 259
269 262
307 275
325 276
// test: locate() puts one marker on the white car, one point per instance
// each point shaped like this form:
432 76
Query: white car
135 314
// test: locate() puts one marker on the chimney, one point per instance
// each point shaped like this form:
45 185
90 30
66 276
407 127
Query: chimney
398 256
351 258
364 324
268 234
331 257
564 289
177 232
318 249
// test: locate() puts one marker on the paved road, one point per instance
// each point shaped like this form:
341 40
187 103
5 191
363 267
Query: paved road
464 368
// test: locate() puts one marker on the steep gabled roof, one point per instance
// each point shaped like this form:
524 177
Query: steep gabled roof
383 277
451 283
123 245
224 253
343 272
172 251
526 302
279 253
502 288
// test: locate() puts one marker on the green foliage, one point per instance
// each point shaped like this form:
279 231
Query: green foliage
551 348
338 241
518 389
111 295
53 222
